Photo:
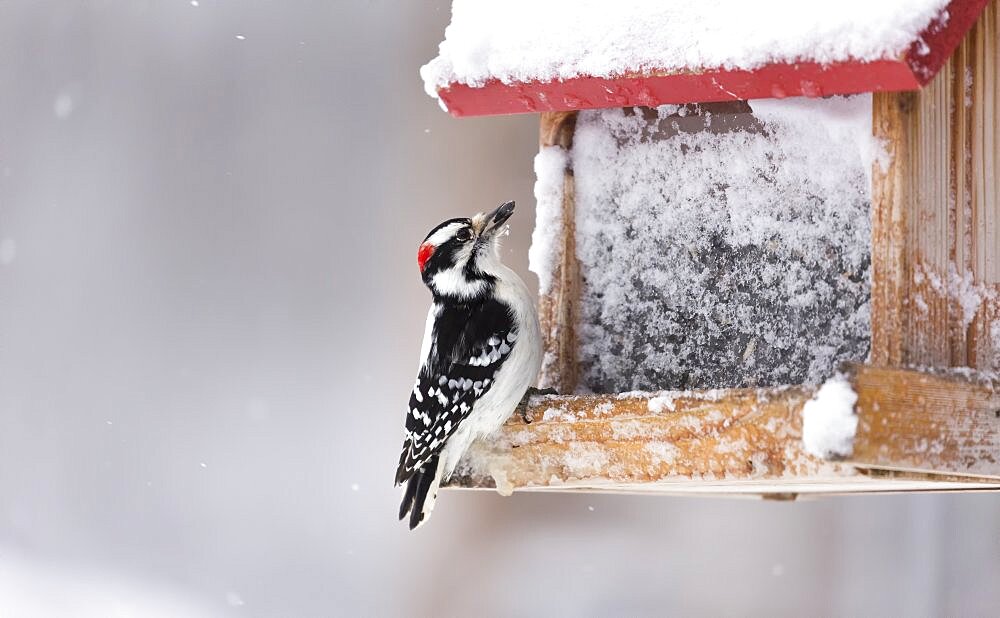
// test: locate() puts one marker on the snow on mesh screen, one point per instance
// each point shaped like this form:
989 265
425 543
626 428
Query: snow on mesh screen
722 249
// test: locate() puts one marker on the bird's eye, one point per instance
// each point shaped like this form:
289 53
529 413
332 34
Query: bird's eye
463 235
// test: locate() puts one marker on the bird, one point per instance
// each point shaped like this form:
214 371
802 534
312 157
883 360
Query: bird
481 352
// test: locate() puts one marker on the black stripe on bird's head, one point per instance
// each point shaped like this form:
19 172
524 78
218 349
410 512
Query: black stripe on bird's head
458 259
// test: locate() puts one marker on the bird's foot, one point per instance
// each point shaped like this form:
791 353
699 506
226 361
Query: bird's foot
522 408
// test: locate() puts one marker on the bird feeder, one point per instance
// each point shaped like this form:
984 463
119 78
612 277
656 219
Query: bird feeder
768 246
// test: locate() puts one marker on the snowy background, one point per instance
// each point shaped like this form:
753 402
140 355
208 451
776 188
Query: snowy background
209 319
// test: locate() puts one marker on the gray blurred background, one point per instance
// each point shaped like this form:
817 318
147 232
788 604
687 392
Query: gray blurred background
210 316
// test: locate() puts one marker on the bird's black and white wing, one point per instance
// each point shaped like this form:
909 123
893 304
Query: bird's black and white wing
461 366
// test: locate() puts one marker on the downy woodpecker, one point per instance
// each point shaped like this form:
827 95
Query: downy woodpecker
481 351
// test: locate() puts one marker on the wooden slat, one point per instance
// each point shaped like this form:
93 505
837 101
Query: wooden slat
891 189
935 206
935 432
984 180
938 423
558 308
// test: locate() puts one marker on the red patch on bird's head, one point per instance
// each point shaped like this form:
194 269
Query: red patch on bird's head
424 253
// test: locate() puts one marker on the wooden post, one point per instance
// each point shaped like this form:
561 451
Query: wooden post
936 214
558 308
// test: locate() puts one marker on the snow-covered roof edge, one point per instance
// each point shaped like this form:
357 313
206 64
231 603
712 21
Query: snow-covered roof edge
596 55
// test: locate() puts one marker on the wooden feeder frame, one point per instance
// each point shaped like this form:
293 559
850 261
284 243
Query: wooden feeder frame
935 207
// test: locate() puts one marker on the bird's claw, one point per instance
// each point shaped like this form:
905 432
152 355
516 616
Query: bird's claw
522 407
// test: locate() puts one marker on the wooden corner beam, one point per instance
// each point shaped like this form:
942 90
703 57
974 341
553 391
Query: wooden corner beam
558 308
935 213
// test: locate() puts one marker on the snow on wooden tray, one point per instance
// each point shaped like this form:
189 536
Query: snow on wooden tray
520 56
914 430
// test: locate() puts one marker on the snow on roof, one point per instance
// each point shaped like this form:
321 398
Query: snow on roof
523 41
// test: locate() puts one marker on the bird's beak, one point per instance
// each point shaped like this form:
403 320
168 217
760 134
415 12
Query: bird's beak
494 221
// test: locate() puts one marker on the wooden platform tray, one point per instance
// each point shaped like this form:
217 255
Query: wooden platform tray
917 431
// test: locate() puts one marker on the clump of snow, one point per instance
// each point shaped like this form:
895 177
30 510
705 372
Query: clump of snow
720 248
846 120
970 295
585 460
631 395
964 289
523 40
961 288
732 446
557 414
561 433
629 429
550 166
603 408
662 452
829 421
659 403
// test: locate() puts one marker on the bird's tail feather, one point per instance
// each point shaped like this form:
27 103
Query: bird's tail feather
421 492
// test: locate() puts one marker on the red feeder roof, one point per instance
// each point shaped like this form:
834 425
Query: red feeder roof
927 53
